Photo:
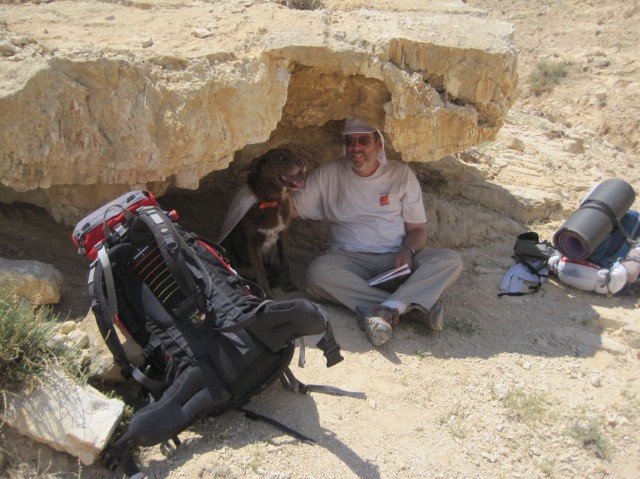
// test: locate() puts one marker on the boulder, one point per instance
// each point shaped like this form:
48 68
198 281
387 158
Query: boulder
38 282
67 416
112 97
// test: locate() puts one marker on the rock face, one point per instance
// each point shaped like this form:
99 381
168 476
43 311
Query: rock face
114 97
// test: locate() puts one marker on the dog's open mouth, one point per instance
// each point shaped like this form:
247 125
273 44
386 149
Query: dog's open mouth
296 182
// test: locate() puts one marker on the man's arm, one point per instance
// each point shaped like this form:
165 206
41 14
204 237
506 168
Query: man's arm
415 240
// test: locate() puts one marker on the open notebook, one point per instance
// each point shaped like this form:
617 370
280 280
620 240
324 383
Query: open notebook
399 272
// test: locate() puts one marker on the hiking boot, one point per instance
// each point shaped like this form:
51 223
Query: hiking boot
435 317
432 318
376 322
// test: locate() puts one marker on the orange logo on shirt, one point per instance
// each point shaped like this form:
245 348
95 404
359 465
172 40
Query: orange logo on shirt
384 199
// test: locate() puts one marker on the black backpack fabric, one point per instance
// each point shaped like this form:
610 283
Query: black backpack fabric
211 340
529 248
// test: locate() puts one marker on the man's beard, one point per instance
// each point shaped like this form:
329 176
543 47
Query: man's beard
362 163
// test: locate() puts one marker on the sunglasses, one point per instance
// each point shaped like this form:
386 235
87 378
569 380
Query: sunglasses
360 140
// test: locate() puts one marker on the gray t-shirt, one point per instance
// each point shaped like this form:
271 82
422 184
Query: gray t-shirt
365 214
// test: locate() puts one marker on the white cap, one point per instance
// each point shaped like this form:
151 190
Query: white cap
356 125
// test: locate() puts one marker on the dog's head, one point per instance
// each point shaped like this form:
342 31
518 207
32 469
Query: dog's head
278 168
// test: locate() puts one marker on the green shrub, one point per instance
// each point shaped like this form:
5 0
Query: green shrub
463 326
25 334
547 75
302 4
528 407
587 432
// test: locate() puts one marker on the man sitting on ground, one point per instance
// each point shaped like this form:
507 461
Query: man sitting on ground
377 222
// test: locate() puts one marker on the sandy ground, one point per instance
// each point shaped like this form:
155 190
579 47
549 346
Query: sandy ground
545 385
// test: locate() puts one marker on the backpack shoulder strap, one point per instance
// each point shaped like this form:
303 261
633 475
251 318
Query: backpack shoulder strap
291 383
173 249
101 279
254 416
630 236
617 221
105 319
219 293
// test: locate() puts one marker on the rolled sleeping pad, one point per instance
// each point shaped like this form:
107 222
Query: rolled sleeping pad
594 219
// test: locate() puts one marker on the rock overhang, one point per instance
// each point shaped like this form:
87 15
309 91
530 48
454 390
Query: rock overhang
167 97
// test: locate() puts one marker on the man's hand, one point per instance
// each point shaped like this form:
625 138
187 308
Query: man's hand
415 240
405 256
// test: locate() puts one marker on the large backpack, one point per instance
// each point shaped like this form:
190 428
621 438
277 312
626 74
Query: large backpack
211 340
613 264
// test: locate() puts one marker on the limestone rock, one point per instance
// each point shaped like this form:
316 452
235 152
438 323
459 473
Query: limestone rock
101 363
601 95
522 203
517 144
575 146
85 117
38 282
613 347
7 48
464 223
69 417
67 327
78 339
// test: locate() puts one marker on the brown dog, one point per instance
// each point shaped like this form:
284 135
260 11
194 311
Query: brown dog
265 225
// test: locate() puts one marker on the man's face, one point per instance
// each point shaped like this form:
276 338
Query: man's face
361 152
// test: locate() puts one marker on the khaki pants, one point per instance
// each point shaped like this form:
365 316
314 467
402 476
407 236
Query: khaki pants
341 277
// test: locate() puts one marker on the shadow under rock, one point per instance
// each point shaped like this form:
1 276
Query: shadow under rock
29 233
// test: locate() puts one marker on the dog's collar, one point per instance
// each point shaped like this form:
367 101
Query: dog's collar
268 204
